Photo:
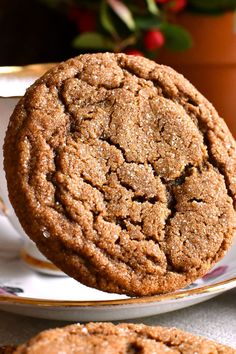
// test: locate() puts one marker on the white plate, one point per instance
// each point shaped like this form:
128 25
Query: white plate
27 292
24 291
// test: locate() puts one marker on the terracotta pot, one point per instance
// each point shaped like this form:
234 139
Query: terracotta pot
211 64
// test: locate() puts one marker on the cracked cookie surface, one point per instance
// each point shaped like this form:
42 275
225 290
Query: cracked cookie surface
122 173
107 338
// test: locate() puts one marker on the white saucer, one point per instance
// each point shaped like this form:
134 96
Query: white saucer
24 291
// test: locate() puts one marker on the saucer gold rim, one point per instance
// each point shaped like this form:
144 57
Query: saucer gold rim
208 289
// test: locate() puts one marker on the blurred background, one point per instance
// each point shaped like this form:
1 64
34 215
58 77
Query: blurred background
196 37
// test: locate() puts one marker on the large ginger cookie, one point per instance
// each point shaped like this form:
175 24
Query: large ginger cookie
122 173
106 338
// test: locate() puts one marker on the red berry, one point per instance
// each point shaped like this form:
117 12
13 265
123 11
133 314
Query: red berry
177 5
133 51
154 39
85 20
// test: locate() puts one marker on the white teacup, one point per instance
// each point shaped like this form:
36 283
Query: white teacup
13 83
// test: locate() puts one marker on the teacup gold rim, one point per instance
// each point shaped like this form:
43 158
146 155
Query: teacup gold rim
207 289
37 263
26 70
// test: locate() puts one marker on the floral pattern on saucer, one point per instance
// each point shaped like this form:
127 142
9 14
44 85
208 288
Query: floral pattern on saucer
215 273
10 290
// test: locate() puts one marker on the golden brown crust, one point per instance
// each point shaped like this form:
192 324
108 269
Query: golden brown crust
122 173
106 338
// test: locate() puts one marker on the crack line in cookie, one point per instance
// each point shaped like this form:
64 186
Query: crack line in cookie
109 141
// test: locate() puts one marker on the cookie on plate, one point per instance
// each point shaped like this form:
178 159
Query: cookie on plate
122 173
107 338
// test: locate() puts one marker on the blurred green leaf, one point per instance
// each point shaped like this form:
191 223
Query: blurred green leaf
177 38
152 7
147 22
93 40
123 13
105 18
